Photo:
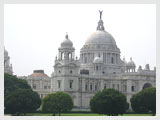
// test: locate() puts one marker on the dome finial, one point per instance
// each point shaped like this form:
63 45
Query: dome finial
100 14
66 35
100 22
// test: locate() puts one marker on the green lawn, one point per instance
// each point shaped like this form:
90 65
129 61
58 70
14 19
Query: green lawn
81 114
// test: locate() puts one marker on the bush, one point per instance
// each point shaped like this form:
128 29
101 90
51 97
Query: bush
57 103
22 101
109 102
144 101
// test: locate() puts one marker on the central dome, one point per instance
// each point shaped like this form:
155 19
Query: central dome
100 37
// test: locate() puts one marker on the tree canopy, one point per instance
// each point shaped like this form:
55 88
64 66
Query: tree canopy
22 101
11 83
144 101
109 102
57 103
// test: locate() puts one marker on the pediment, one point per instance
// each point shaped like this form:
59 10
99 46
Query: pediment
72 65
58 65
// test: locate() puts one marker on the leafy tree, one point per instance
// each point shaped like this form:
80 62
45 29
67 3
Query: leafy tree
22 101
144 101
109 102
11 83
57 103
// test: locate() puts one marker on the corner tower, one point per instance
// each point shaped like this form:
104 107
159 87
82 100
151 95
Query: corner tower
66 68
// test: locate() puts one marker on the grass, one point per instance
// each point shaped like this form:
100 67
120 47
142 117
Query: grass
81 114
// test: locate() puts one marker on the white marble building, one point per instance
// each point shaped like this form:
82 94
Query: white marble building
99 67
39 82
7 65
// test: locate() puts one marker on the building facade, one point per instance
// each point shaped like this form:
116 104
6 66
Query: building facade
39 82
99 67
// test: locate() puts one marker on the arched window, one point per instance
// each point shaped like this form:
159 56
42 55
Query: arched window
70 84
147 85
70 56
112 60
95 87
62 55
59 84
91 87
86 87
96 68
132 88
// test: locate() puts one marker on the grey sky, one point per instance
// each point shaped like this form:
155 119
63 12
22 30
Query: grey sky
33 33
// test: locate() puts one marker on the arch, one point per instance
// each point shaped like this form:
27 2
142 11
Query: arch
62 55
146 85
96 67
72 65
58 65
70 56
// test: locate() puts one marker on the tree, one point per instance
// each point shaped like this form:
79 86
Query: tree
22 101
109 102
57 103
144 101
11 83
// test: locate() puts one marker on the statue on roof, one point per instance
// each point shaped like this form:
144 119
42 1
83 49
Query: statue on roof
100 13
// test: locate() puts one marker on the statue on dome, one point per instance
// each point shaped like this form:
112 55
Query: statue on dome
66 35
100 13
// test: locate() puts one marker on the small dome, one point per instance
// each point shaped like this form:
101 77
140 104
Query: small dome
124 61
66 43
39 73
98 60
131 63
100 37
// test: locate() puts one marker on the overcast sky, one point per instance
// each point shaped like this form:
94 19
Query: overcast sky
33 33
